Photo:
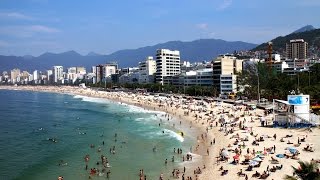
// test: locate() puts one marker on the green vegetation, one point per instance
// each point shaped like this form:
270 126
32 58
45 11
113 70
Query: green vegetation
306 171
279 85
155 87
279 43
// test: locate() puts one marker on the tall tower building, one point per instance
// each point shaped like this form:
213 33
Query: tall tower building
168 64
36 76
297 49
57 73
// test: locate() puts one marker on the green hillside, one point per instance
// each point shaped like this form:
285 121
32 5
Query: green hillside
279 43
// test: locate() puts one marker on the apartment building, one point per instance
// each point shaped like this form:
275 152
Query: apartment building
167 65
224 69
297 49
147 69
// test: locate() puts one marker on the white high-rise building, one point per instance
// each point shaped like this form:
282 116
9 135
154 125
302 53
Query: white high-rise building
57 74
36 76
49 76
147 69
168 64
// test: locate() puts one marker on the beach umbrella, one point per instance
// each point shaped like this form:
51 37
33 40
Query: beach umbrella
225 153
257 159
292 150
253 163
280 156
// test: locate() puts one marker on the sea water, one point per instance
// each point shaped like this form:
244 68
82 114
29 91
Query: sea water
30 122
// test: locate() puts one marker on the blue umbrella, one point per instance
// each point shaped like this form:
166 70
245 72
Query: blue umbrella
292 150
280 156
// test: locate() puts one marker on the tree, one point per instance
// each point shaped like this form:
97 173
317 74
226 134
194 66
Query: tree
305 171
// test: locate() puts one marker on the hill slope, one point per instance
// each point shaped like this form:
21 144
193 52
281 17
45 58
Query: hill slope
279 43
203 49
304 29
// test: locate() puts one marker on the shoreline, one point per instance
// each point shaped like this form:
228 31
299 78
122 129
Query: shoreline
204 160
232 138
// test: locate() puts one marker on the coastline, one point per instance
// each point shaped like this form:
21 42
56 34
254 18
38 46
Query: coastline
175 116
222 139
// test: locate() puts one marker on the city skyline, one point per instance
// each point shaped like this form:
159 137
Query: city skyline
33 27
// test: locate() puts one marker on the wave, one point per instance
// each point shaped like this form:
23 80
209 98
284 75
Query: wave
131 108
171 134
136 109
91 99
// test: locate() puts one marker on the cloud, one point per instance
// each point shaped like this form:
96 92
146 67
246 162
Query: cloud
202 26
27 31
15 15
224 5
42 29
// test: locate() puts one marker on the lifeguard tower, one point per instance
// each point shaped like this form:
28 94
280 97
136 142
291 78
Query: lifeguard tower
295 112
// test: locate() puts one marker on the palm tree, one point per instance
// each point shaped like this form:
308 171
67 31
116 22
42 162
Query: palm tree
306 171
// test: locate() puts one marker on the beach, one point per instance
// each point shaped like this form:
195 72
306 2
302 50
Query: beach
242 137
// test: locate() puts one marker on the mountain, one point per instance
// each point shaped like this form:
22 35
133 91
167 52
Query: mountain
279 43
304 29
198 50
93 54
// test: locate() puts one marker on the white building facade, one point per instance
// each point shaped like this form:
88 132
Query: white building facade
147 69
167 63
57 74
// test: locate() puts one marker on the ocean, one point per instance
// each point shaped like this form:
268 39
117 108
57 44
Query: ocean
46 135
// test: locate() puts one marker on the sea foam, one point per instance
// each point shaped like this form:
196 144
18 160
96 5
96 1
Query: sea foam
171 134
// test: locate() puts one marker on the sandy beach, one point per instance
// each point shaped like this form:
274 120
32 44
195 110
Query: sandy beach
230 139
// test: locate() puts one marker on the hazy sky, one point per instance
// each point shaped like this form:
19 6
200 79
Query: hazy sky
36 26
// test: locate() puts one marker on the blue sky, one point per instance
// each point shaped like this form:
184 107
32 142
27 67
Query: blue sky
36 26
